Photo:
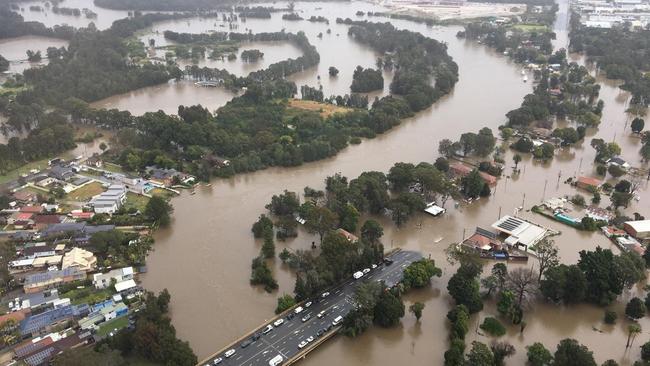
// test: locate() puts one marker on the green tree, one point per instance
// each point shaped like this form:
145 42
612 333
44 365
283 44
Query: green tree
416 308
388 310
603 280
320 220
81 356
538 355
645 351
637 125
261 225
547 255
459 318
473 184
516 159
480 355
268 247
419 273
464 286
610 317
501 350
615 171
493 327
333 71
635 308
371 231
158 210
454 355
632 331
570 353
285 302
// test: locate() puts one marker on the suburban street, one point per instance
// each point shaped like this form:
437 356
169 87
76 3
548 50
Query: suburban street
284 339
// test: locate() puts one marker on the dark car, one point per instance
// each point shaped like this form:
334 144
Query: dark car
329 327
246 343
388 262
290 316
255 337
320 332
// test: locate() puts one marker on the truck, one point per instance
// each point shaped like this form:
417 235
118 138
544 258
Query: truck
357 275
275 361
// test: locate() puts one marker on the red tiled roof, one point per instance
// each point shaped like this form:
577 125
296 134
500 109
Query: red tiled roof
17 316
589 181
22 216
24 195
47 219
32 209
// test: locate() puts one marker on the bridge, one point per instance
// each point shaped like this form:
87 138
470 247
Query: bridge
283 340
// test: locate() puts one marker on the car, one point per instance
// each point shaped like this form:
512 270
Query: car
388 262
325 294
337 320
255 337
267 329
278 322
320 332
357 275
217 361
308 304
321 314
366 270
374 266
306 317
275 361
246 343
310 339
329 327
290 316
298 310
229 353
302 344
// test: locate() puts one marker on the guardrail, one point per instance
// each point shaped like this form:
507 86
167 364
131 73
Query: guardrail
303 353
283 314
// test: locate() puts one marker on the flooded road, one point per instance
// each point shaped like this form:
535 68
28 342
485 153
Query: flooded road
204 257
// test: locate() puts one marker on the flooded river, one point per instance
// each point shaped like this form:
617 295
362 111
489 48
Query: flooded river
204 257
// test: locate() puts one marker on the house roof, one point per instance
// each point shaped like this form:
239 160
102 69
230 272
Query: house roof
78 257
49 275
640 226
589 181
24 195
125 285
32 209
47 219
22 216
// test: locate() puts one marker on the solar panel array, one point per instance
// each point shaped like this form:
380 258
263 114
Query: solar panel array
510 224
485 233
42 357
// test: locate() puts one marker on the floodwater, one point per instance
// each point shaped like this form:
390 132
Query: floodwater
104 20
204 257
15 50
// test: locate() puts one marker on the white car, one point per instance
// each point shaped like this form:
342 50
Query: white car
278 322
325 294
229 353
302 344
366 270
374 266
321 314
267 329
357 275
310 339
217 361
298 310
307 304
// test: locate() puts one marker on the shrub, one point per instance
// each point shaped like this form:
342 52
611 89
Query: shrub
610 317
493 327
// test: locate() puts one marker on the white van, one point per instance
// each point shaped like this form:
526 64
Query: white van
337 320
275 361
357 275
298 310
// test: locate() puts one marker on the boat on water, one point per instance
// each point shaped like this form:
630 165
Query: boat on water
193 192
525 78
523 72
208 184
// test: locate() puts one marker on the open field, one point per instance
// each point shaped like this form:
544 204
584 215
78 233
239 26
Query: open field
466 11
135 201
117 323
324 109
86 192
531 27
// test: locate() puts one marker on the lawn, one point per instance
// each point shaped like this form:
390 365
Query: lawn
324 109
86 192
531 27
39 164
87 295
135 201
162 193
117 323
112 167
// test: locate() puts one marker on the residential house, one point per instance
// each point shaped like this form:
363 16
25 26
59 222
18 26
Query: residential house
32 209
43 221
167 177
639 229
24 196
483 241
103 280
111 200
19 216
80 259
461 170
349 236
125 286
80 215
62 173
588 183
43 322
618 162
599 214
75 229
44 280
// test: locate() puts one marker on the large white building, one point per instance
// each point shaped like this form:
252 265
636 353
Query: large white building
111 200
103 280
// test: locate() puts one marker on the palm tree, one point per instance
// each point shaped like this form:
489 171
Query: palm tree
632 331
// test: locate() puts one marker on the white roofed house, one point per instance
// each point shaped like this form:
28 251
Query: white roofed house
103 280
520 232
111 200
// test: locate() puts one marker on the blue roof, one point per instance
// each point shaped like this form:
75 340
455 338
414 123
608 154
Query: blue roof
37 322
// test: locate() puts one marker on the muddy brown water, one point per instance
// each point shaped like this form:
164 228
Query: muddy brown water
204 257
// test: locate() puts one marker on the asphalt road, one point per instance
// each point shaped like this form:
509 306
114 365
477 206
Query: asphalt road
284 339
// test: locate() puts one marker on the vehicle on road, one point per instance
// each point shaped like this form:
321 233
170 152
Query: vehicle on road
388 262
325 294
230 352
306 317
307 304
373 266
267 329
217 361
255 337
290 316
278 322
275 361
246 343
321 314
310 339
298 310
357 275
337 320
320 332
329 327
366 270
302 344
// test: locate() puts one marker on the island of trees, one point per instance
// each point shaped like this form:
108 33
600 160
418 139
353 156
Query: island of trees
366 80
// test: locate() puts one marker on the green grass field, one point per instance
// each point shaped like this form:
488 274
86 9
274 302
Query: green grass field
117 323
531 27
135 201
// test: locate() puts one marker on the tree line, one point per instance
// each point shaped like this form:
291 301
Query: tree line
13 25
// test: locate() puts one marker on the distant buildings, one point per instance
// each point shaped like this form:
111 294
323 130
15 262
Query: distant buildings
462 170
607 14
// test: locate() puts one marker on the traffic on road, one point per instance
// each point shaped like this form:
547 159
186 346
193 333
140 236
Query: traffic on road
274 343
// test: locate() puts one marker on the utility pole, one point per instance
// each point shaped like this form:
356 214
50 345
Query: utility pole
523 201
544 194
499 213
559 175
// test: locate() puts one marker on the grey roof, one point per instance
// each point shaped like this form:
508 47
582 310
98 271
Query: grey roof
76 227
37 322
48 275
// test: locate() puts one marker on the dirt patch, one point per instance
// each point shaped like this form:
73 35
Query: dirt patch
324 109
